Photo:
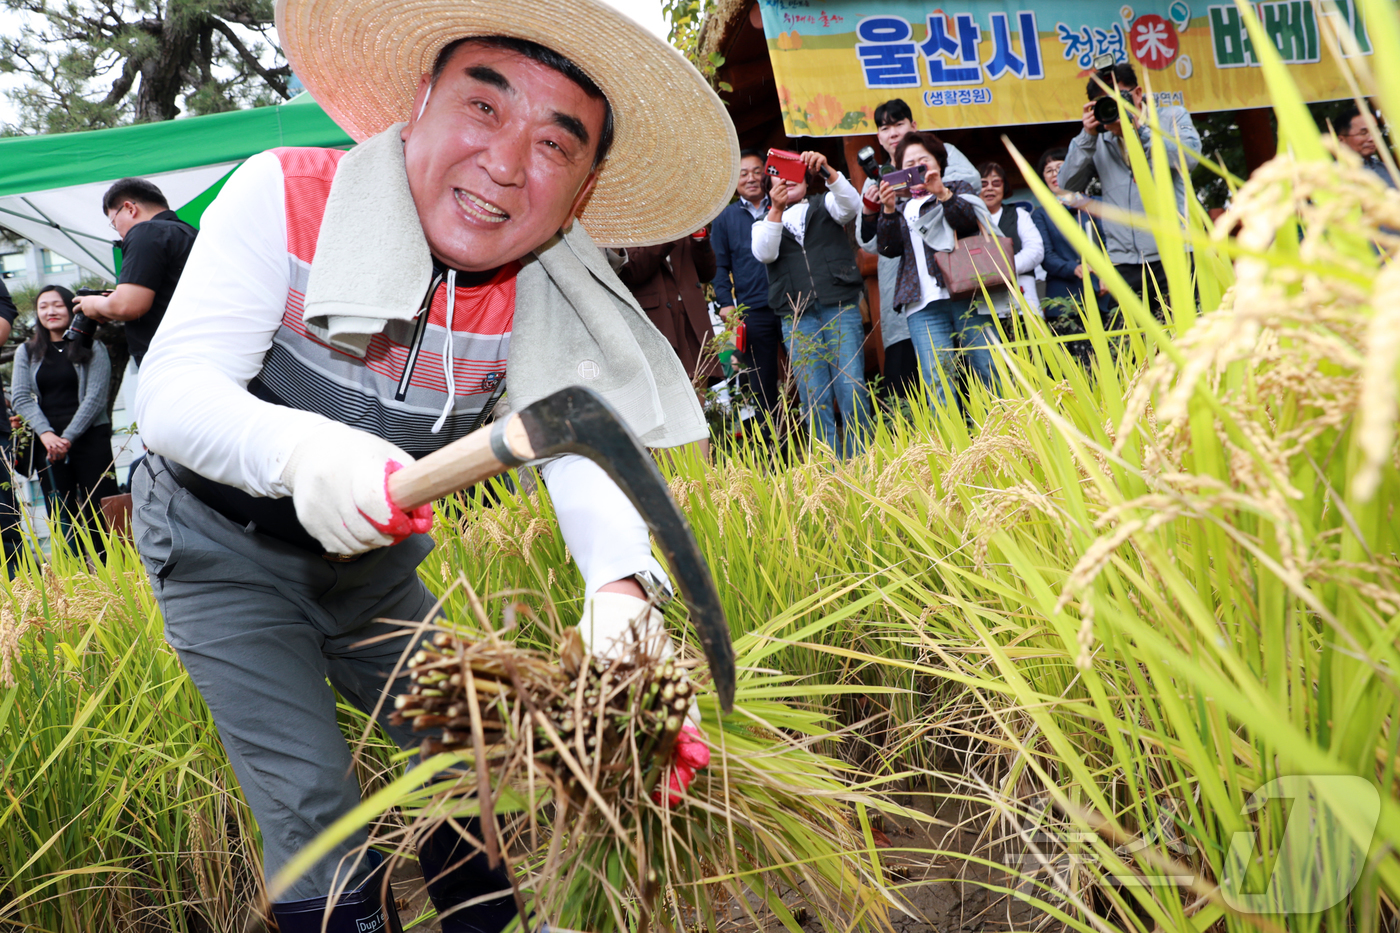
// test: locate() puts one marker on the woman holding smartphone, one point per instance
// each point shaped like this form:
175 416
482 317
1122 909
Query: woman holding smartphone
60 389
941 214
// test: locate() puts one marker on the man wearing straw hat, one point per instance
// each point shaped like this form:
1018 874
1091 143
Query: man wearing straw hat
343 313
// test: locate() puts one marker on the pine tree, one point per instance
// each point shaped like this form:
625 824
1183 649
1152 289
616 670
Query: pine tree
91 64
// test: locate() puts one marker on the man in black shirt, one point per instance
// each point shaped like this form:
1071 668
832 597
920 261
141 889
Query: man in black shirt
10 535
155 244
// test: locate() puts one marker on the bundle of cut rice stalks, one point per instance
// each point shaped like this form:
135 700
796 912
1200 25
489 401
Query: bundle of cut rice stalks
562 758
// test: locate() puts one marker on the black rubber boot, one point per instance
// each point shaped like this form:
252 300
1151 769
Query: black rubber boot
456 874
363 910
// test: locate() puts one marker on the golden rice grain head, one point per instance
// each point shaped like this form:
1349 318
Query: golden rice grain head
1376 429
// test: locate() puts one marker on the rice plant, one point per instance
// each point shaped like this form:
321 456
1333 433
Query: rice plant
1132 627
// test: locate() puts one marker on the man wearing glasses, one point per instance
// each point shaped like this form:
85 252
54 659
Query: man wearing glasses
740 279
155 245
1353 131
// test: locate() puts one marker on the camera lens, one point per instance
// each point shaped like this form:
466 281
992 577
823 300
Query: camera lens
1106 109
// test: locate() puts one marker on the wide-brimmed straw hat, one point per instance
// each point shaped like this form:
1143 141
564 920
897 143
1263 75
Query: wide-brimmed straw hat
675 159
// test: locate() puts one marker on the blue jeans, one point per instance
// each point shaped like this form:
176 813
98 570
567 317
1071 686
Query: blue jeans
936 328
824 345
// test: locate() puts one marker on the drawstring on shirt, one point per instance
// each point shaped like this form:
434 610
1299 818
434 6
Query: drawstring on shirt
448 361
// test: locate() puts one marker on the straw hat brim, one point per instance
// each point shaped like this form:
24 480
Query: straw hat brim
675 158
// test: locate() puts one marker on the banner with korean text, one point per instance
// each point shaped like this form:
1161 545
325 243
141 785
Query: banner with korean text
998 62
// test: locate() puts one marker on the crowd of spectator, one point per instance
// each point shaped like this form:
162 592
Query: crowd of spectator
783 255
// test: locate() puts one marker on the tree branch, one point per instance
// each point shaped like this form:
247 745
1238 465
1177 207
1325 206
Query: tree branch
122 85
271 76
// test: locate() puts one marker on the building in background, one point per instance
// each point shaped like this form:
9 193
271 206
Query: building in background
25 264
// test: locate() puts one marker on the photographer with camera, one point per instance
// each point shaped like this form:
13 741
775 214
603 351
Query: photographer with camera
894 120
814 284
60 388
936 215
1115 101
155 245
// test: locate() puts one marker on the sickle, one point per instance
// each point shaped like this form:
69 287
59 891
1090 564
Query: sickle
577 421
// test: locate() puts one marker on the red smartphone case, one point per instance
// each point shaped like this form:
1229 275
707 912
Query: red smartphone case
786 165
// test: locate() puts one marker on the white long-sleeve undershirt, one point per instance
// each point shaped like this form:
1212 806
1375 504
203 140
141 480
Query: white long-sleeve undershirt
842 202
192 404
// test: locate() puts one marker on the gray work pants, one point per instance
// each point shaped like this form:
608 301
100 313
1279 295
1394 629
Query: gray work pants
260 626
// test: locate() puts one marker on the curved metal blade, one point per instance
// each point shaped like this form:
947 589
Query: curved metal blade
577 421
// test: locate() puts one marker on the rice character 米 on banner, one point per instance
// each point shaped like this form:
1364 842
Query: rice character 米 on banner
994 63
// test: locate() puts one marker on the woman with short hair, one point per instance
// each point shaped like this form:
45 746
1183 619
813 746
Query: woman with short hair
942 214
1013 221
60 389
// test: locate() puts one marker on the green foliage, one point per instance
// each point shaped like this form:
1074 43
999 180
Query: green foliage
117 804
92 65
687 19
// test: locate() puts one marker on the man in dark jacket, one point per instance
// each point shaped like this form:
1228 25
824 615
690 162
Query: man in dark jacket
668 281
1355 134
740 279
155 245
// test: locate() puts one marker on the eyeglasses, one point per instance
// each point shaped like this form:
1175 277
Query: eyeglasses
1363 132
992 182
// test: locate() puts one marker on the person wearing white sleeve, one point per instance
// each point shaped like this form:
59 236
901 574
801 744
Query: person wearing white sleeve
1020 228
841 201
342 314
814 285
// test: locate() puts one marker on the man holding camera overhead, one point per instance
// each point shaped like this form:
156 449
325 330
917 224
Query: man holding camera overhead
1100 150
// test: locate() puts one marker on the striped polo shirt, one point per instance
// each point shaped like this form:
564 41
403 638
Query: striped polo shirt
399 389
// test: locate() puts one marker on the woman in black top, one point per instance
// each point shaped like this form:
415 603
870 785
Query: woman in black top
60 389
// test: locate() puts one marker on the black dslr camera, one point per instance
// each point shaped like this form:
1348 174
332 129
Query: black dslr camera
1106 108
82 328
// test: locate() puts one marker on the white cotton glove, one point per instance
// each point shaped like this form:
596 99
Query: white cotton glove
339 481
613 622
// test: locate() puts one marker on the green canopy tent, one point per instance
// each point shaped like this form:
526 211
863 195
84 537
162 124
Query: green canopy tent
51 186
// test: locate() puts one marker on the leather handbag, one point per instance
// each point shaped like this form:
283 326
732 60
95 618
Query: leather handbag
977 259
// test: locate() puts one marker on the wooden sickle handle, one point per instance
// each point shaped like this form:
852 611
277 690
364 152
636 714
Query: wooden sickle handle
482 454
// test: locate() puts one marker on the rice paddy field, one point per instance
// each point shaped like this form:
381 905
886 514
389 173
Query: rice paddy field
1116 652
